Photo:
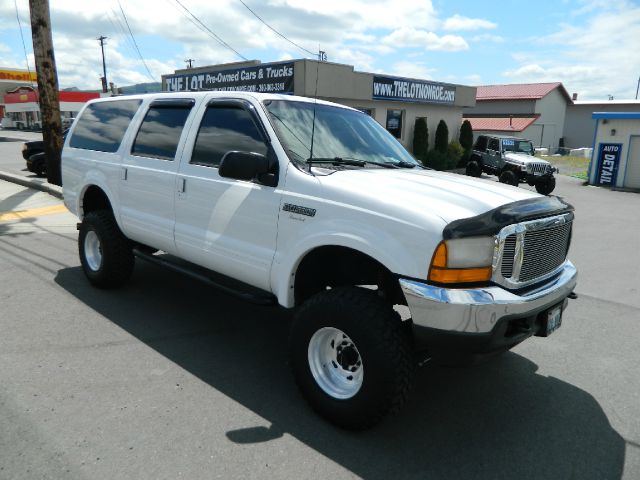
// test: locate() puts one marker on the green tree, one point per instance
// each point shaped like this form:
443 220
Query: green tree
466 138
442 137
455 152
420 139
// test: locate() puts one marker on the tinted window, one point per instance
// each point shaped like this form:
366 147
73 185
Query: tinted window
481 144
160 132
394 122
102 125
222 130
493 144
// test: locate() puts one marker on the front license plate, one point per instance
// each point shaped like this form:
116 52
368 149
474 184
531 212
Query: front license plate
554 319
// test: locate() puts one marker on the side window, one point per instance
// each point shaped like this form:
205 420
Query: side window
223 129
102 125
160 131
493 144
481 144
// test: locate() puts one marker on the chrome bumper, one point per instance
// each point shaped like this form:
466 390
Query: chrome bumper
477 310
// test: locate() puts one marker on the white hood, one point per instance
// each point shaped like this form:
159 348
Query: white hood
409 194
523 158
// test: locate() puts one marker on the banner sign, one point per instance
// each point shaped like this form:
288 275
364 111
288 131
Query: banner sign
406 90
267 78
608 161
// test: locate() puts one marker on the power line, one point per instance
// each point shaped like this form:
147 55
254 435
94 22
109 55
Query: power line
24 46
134 42
220 40
275 31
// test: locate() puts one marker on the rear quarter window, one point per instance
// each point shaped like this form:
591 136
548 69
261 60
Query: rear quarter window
102 125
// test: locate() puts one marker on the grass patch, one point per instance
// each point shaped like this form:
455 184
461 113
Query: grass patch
569 165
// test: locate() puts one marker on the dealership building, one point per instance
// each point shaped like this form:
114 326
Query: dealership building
395 102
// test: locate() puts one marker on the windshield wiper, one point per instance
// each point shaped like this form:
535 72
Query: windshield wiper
350 161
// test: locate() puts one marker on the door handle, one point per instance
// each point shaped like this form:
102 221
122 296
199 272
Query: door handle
124 173
182 185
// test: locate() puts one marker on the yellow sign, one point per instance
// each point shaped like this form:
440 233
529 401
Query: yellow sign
17 75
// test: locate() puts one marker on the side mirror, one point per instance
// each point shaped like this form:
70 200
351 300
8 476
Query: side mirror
243 165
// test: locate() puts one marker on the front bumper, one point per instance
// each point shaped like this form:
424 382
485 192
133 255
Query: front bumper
485 319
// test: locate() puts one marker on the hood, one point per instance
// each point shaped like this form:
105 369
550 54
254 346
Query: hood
409 194
523 158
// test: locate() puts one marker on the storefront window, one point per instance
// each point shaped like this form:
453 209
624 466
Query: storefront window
394 122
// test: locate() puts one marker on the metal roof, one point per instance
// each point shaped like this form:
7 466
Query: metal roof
503 124
519 91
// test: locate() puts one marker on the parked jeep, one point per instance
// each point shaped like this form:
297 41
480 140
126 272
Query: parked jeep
315 207
513 160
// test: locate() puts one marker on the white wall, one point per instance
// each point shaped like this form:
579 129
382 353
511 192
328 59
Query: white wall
624 129
552 109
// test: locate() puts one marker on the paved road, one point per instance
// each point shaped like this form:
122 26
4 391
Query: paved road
167 378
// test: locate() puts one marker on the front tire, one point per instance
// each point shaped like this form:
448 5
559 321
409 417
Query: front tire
509 177
105 253
350 357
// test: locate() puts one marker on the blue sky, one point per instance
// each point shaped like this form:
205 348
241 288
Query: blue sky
589 45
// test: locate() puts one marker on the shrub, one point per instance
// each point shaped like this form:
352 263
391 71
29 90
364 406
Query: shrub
442 137
437 160
466 140
455 153
421 139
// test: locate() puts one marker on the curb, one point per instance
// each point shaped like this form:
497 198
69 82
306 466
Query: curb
34 183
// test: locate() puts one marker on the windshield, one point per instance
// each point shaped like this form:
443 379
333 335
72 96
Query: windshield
513 145
339 133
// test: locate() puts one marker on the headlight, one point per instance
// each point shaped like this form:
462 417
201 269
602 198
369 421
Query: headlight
463 260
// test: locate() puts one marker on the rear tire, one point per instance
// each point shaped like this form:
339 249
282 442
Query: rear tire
105 253
350 357
509 177
545 185
473 169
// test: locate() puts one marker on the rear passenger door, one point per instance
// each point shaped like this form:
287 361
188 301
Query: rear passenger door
148 175
493 153
227 225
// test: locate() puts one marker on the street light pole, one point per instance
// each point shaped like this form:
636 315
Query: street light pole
637 88
101 39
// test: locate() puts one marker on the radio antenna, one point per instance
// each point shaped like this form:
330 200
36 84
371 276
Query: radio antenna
315 102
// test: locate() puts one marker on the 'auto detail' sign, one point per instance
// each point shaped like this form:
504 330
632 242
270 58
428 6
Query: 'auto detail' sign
407 90
267 78
608 161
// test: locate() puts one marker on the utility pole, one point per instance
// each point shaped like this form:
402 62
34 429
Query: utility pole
47 87
637 88
101 39
189 62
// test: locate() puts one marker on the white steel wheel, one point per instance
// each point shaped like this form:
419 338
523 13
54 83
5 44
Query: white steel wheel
335 363
93 251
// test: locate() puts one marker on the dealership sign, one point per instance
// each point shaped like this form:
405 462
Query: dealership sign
608 161
406 90
267 78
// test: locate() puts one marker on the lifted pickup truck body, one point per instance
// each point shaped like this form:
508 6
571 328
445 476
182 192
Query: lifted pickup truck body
232 198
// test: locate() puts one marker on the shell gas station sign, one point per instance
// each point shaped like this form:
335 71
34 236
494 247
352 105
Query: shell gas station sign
11 75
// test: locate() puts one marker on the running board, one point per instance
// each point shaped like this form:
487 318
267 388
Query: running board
240 290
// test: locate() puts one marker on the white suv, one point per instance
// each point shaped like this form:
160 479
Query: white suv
314 206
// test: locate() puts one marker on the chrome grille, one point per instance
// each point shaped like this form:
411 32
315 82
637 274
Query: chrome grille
507 256
531 251
537 168
544 251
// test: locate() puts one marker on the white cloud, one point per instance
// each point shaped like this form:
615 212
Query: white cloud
458 22
474 79
488 37
595 58
412 70
411 37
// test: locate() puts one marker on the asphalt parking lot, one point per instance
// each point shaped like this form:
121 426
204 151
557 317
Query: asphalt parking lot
167 378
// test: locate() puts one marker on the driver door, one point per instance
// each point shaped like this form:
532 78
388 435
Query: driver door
224 224
493 153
